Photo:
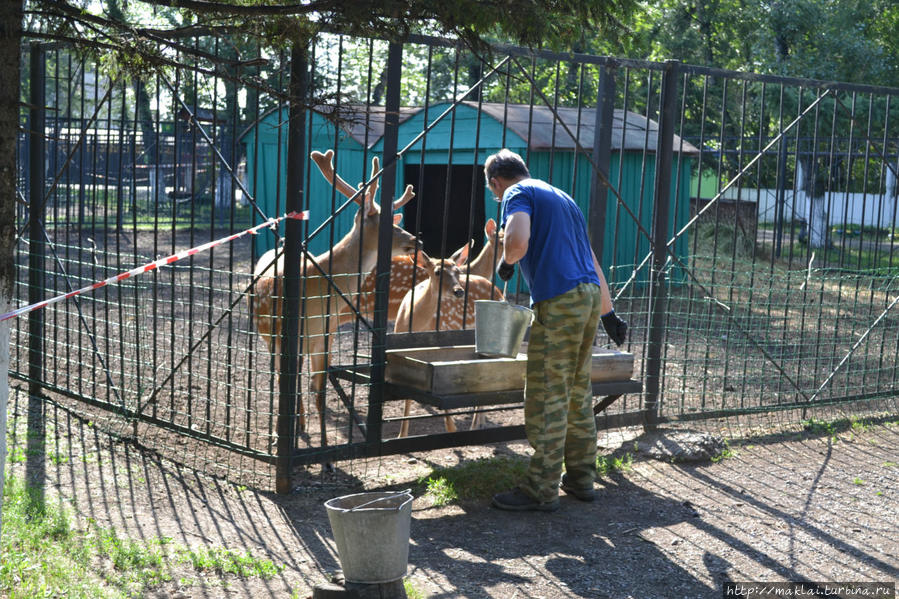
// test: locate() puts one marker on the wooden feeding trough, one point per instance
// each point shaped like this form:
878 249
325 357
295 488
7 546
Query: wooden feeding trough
451 377
441 369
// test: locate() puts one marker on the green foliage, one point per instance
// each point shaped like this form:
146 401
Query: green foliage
820 427
725 454
411 591
840 40
612 464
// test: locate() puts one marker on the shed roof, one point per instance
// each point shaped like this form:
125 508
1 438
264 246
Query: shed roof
354 119
358 120
520 118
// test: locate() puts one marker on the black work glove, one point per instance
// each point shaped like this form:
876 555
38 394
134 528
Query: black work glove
615 328
505 271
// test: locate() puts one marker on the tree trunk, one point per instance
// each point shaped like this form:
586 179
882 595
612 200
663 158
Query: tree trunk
817 222
10 47
814 178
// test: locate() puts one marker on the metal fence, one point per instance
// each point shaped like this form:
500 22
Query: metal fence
730 313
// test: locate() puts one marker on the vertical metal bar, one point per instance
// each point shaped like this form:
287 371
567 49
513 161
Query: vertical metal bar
661 206
34 466
781 183
602 157
36 279
290 367
382 280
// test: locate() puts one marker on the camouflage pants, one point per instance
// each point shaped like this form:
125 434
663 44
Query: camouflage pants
558 405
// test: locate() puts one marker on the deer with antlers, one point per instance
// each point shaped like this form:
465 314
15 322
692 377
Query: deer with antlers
404 272
444 301
325 277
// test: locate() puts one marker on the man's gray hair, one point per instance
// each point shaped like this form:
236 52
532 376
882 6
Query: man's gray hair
506 164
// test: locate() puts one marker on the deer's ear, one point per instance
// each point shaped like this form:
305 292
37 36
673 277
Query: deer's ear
423 261
455 255
368 203
490 228
462 258
397 219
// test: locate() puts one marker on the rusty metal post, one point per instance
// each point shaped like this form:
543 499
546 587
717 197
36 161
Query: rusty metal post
661 208
602 157
34 467
385 233
288 383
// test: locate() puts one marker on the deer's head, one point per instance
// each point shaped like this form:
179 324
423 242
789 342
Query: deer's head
368 217
445 273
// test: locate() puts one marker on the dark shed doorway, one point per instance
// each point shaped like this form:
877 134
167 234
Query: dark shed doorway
433 203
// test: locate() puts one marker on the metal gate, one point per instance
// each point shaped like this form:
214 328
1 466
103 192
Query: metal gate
746 224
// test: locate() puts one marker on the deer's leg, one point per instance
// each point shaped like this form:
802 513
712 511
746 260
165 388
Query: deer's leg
450 425
318 364
476 420
404 427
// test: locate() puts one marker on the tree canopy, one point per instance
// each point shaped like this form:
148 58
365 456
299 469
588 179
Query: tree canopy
145 29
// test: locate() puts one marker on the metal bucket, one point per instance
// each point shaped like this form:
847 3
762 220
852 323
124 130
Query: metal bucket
499 328
371 531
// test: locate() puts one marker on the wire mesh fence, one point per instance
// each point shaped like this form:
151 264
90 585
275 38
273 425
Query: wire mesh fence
746 225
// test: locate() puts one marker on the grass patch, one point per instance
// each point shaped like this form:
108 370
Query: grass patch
478 479
611 464
411 591
481 479
726 453
819 427
43 555
832 428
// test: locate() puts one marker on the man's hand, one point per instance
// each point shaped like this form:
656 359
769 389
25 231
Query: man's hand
505 271
615 328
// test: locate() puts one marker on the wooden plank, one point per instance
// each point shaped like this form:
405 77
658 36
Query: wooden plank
430 339
458 370
470 400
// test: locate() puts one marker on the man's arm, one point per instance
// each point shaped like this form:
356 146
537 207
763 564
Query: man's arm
605 296
517 236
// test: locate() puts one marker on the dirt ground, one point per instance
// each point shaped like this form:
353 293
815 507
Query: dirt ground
785 505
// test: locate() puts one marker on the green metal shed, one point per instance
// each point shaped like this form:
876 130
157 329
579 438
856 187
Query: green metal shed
266 155
464 138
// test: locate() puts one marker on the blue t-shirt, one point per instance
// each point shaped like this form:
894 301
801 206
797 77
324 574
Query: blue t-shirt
559 256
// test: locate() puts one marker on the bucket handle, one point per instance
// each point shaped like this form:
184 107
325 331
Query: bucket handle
368 503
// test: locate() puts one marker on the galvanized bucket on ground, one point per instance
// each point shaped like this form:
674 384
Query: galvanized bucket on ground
499 328
371 531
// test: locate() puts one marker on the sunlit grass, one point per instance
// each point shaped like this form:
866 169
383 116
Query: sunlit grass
42 554
478 479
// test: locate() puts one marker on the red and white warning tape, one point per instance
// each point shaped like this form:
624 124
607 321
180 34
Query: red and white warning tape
272 223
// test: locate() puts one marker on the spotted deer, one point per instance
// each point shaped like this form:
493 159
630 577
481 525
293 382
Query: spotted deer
403 269
444 301
324 276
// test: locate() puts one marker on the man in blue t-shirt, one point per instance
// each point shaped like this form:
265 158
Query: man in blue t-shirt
545 234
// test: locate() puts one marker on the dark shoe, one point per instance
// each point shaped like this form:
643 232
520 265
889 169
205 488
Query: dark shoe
582 493
517 500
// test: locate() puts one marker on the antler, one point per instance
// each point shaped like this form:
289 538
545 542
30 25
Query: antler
325 164
404 199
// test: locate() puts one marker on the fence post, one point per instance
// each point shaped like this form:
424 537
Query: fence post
661 208
385 234
781 196
602 157
289 379
36 277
